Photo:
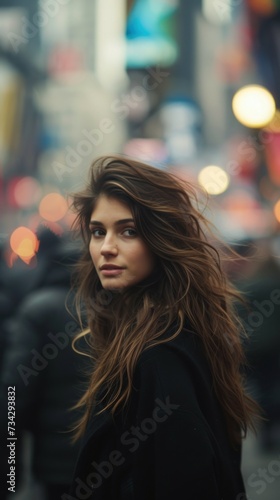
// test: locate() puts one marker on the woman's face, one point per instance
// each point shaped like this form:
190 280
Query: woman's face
120 256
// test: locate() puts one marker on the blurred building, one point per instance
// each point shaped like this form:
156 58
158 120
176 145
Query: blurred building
154 79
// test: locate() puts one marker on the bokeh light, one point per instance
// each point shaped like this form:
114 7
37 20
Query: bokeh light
263 7
24 243
27 192
253 106
274 124
213 179
277 210
53 207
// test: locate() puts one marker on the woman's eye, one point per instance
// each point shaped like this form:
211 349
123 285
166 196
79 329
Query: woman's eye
130 232
97 232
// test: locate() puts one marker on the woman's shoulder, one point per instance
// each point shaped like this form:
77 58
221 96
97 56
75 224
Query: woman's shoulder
175 368
180 354
187 342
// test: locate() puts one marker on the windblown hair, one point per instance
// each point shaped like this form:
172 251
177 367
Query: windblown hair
188 284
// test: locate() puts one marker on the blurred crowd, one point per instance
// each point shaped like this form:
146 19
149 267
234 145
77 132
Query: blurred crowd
40 371
37 320
256 274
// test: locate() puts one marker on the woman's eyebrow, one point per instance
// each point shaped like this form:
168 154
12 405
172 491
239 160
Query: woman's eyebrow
117 223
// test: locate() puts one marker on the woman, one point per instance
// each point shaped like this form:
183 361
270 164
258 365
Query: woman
165 407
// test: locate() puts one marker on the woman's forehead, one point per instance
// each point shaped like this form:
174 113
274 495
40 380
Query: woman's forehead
108 207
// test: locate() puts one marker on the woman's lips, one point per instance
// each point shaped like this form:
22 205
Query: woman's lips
111 270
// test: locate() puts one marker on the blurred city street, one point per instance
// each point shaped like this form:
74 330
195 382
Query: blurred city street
261 473
190 87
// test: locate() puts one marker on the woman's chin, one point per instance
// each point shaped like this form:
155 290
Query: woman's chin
113 289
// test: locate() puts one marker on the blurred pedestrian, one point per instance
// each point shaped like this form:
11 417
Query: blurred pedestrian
258 278
6 299
45 376
165 406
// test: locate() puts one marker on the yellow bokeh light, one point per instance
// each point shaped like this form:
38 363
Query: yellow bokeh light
213 179
24 243
53 207
277 210
274 124
253 106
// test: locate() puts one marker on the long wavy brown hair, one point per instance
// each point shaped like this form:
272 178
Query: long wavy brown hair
188 283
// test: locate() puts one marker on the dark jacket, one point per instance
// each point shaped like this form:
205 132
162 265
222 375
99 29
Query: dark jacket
170 442
47 375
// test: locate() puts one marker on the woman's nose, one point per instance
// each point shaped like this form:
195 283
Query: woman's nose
109 246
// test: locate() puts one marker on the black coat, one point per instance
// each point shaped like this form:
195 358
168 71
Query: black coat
170 442
47 375
38 360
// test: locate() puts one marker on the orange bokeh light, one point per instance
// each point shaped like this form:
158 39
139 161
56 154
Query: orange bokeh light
277 210
24 243
27 191
53 207
262 7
